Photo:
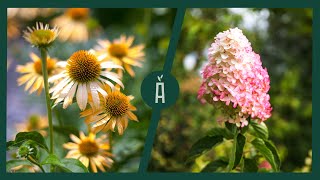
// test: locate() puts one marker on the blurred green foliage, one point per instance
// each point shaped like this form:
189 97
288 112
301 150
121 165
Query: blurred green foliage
283 38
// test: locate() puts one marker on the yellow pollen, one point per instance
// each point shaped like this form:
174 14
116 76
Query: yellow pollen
88 147
116 104
118 50
50 66
42 36
78 14
83 67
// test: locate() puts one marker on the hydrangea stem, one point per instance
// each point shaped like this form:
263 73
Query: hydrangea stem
43 52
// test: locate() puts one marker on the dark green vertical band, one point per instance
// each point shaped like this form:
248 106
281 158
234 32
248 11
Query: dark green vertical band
174 40
167 68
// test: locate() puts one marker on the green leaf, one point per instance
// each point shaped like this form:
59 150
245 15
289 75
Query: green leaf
250 165
53 160
16 162
259 130
214 165
260 145
67 165
31 137
202 145
237 151
221 132
241 140
275 153
74 165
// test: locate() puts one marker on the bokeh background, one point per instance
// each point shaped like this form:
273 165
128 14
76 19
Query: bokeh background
151 27
283 38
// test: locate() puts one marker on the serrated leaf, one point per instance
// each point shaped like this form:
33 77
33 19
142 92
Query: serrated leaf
16 162
204 144
67 165
214 165
259 130
275 153
32 137
260 145
250 165
221 132
74 165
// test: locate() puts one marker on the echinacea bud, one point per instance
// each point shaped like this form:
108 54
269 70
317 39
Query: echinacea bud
234 76
26 150
41 36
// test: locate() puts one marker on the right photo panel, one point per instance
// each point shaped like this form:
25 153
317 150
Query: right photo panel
245 102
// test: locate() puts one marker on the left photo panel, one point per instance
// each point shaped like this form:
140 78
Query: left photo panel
73 86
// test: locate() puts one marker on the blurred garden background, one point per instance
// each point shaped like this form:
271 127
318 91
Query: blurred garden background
151 27
283 38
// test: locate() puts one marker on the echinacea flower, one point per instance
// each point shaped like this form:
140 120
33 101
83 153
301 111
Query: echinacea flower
234 76
33 123
115 110
41 35
84 74
91 151
32 73
73 24
122 52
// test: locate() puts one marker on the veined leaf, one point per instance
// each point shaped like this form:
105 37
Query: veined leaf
260 145
259 130
32 137
67 165
275 153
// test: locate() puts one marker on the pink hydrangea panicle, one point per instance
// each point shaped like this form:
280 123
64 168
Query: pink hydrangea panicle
234 75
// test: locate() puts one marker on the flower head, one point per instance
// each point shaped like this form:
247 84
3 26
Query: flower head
234 75
73 24
41 35
115 110
84 74
90 151
32 73
33 123
122 52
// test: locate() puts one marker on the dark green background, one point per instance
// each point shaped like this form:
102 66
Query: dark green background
173 4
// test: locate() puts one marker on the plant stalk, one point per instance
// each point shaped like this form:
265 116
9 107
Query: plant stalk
36 163
43 52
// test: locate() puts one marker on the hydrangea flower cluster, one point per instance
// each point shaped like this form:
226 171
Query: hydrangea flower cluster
234 76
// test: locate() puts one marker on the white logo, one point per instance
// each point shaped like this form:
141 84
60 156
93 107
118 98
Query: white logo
158 94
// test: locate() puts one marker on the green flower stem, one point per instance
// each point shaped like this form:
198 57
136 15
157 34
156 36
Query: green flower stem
36 163
43 52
